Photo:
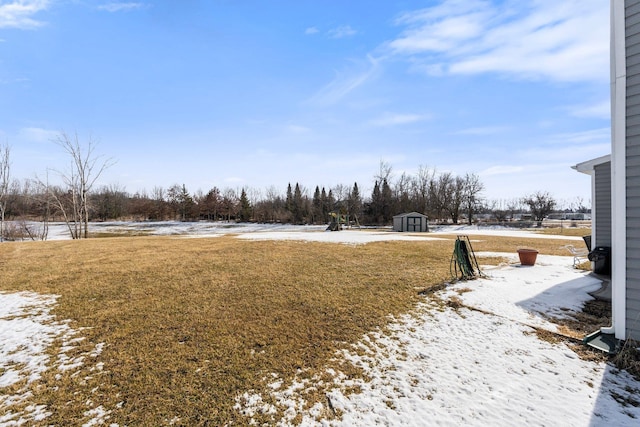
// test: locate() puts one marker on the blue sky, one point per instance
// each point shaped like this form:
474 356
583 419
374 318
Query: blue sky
252 93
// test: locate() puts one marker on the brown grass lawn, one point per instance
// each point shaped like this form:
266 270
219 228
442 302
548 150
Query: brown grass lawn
188 324
563 231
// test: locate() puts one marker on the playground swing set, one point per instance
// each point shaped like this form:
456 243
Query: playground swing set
339 220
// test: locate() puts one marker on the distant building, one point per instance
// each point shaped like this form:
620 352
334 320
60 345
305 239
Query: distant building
412 221
574 216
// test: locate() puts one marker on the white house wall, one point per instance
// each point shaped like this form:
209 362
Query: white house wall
618 177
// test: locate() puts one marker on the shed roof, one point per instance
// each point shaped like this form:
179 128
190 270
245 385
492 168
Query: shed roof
410 214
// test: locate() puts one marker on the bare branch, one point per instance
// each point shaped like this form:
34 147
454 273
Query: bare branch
86 169
5 167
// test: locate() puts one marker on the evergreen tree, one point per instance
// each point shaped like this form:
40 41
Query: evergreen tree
355 202
298 205
181 201
331 202
210 205
317 206
245 207
289 200
375 207
325 205
387 202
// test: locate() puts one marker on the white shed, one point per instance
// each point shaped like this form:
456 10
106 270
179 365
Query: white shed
412 221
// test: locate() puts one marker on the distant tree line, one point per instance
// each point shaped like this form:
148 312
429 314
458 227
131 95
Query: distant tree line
443 197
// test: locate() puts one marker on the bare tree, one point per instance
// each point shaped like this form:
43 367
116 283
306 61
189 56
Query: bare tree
500 210
229 202
541 204
109 202
402 189
441 195
85 170
385 172
420 188
5 168
341 194
455 198
579 205
473 187
42 203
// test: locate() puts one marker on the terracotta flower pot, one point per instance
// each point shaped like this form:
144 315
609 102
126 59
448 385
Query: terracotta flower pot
527 256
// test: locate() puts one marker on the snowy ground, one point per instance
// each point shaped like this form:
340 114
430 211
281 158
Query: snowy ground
437 366
476 368
27 330
59 231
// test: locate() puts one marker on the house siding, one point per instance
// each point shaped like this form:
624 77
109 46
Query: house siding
632 172
602 205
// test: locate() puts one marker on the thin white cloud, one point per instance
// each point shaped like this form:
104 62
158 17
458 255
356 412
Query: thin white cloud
560 41
39 135
20 13
394 119
233 180
297 129
564 155
484 130
601 110
120 7
588 136
13 81
311 30
501 170
344 83
341 32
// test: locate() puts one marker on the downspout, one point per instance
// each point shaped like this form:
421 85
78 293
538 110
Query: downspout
594 213
618 171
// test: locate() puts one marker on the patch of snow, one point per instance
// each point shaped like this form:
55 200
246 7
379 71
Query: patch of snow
352 237
525 294
60 231
497 230
27 330
97 416
479 366
250 404
470 368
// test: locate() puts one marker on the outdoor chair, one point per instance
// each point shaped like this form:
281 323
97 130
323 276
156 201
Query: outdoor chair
579 255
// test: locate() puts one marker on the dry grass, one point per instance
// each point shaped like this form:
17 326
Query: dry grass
190 323
512 244
563 231
629 358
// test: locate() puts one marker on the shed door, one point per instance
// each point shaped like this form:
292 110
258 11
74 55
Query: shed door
414 223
